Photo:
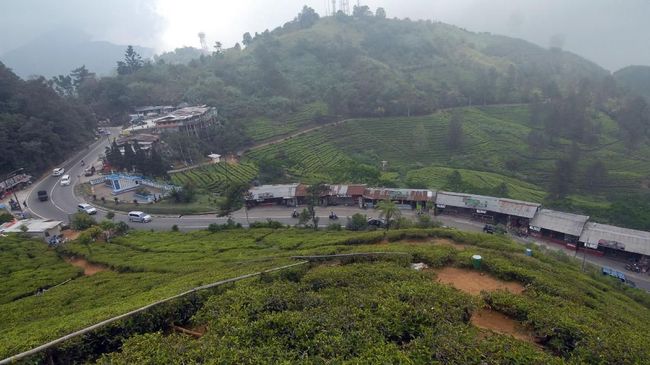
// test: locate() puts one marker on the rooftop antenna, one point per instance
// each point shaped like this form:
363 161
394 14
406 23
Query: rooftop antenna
204 44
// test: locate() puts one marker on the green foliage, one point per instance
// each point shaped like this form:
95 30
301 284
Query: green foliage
358 222
217 177
38 128
6 217
175 228
82 221
268 224
390 212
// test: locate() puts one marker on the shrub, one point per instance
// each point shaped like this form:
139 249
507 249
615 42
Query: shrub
121 228
110 215
268 224
175 228
6 217
82 221
358 222
334 227
425 221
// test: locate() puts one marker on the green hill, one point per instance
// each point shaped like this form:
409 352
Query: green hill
361 310
635 79
496 148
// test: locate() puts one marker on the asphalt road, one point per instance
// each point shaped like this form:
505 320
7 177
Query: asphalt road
63 203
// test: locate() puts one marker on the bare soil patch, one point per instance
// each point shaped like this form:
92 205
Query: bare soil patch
474 282
70 234
89 269
499 323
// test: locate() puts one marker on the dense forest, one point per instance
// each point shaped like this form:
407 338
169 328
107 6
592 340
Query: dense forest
38 127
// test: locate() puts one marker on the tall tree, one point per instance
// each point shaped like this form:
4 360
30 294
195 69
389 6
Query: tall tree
314 193
561 179
380 13
132 62
389 211
79 75
307 17
129 157
247 39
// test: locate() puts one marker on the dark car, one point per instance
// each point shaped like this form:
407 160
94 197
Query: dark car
42 195
379 223
488 228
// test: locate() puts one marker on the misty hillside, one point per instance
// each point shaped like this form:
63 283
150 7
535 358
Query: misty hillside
359 66
635 79
58 52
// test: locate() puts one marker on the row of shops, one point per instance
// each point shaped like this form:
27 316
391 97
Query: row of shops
518 217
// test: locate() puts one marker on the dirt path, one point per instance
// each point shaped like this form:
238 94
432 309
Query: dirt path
474 282
89 269
286 137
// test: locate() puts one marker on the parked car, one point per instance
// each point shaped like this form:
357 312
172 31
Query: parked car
65 180
58 171
42 195
89 171
379 223
140 217
86 208
488 228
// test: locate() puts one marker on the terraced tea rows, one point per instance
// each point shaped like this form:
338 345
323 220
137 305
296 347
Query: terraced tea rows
262 128
216 177
307 156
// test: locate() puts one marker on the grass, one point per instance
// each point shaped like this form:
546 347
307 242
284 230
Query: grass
494 151
378 308
436 178
263 128
216 177
203 203
149 266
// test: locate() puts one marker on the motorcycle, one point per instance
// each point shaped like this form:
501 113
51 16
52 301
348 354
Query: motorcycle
633 267
294 214
333 216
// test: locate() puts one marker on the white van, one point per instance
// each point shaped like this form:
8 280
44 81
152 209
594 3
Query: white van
139 217
65 180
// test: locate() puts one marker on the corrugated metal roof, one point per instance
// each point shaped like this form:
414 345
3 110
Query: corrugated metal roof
567 223
262 192
33 225
489 203
346 190
631 240
399 194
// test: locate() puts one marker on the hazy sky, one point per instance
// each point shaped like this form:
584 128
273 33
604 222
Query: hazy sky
613 33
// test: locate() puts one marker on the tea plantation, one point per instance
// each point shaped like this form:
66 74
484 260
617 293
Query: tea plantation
361 309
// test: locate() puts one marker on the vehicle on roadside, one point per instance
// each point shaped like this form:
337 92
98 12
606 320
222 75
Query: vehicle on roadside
65 180
89 171
58 171
379 223
140 217
488 228
42 195
86 208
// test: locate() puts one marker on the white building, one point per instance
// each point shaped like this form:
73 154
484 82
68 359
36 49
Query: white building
37 228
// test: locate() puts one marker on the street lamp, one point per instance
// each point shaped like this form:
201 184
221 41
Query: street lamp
9 176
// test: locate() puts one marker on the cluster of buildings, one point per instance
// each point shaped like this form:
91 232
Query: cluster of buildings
519 217
154 120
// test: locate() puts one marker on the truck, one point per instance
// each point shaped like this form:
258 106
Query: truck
42 195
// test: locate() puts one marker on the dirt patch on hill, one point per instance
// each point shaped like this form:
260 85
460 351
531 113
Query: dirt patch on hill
499 323
474 282
70 234
89 269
